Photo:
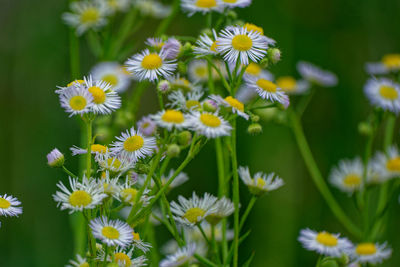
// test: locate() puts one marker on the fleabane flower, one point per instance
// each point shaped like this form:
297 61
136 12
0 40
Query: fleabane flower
236 3
209 124
9 206
203 6
79 262
111 232
110 186
193 210
76 100
260 183
134 145
113 74
324 243
239 44
383 93
172 48
139 243
83 195
151 65
316 75
389 63
292 86
386 167
187 102
348 175
55 158
105 100
367 252
232 103
116 164
267 90
94 149
128 194
255 70
206 45
147 126
86 15
170 119
74 83
182 256
223 208
123 257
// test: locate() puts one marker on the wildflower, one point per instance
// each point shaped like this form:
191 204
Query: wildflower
164 86
83 195
139 243
80 262
147 126
155 42
111 232
124 258
171 118
386 167
151 66
372 253
192 211
252 27
389 63
94 149
189 101
105 101
232 103
206 45
198 71
209 124
348 176
128 194
113 74
290 86
172 48
203 6
223 208
182 256
267 90
55 158
255 70
76 100
110 186
9 206
134 145
114 163
383 93
324 243
314 74
236 3
261 183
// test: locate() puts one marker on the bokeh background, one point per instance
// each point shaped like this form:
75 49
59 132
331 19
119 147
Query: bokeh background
339 35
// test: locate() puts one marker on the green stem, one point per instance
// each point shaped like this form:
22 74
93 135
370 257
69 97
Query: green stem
221 168
89 147
235 193
69 172
247 211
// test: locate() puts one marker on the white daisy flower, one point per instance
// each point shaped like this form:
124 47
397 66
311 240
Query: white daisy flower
203 6
123 258
236 3
172 48
254 28
192 211
198 71
105 100
223 208
209 124
389 63
55 158
134 145
151 66
261 183
147 126
238 43
9 206
348 176
86 15
187 102
117 5
182 256
170 119
386 167
314 74
114 164
95 149
113 74
110 186
206 45
152 8
255 70
180 83
324 243
139 243
83 195
128 194
267 90
370 252
111 232
232 103
74 83
76 100
290 86
80 262
383 93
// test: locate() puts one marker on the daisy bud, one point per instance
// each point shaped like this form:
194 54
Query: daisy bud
185 138
133 176
232 14
210 105
173 150
274 55
329 263
364 128
55 158
264 63
255 118
187 48
164 86
172 48
254 129
141 168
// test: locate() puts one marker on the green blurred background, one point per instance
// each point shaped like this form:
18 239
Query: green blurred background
339 35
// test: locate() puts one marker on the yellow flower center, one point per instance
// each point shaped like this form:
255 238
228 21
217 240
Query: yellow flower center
111 79
99 148
173 116
201 71
90 15
393 164
121 258
388 92
352 180
366 249
242 42
85 264
114 163
129 194
133 143
267 86
260 182
287 83
391 61
152 61
253 69
99 96
251 27
206 3
193 214
192 104
80 198
214 46
210 120
75 82
77 102
4 203
327 239
233 102
110 232
136 236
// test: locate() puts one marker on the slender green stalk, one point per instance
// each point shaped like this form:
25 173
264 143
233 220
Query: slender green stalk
205 261
89 147
69 172
247 211
220 166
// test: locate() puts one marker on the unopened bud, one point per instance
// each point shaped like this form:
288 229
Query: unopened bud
164 86
364 128
264 63
55 158
255 118
231 14
329 263
210 105
274 55
254 129
173 150
184 138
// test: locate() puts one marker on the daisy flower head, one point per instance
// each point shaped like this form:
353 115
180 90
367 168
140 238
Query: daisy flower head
187 102
111 232
223 208
383 93
239 44
147 126
232 103
86 15
203 6
198 70
113 74
79 262
171 118
110 186
292 86
55 158
255 70
115 164
236 3
389 63
193 210
254 28
151 65
315 75
180 83
105 100
267 90
155 42
124 258
134 145
324 243
209 124
9 206
94 149
386 167
348 175
139 243
179 258
261 183
128 193
83 195
372 253
206 45
76 100
172 48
